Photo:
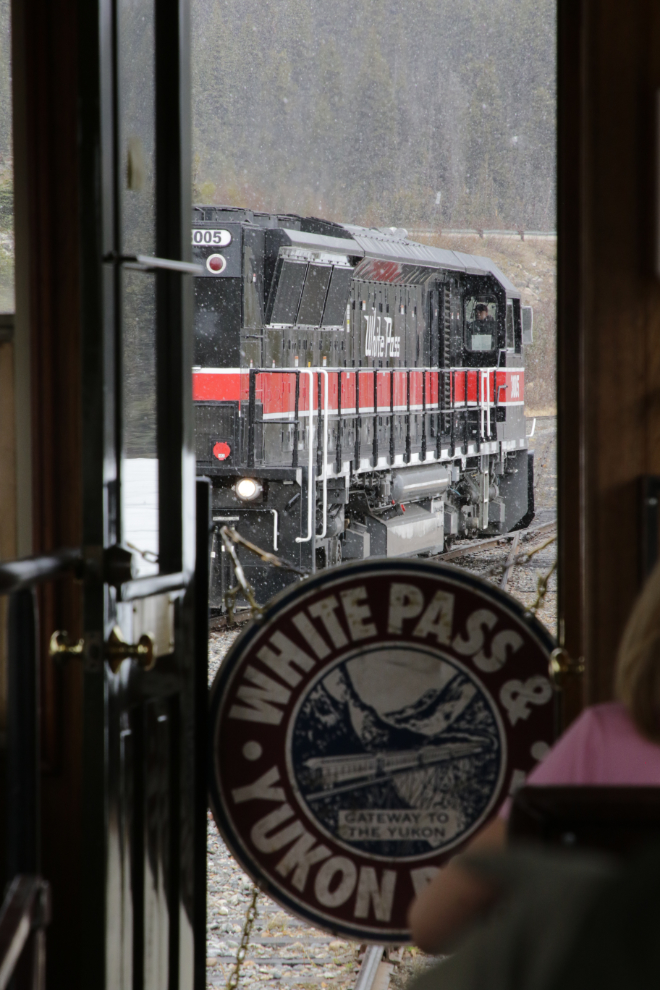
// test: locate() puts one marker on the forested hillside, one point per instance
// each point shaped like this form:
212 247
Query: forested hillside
366 110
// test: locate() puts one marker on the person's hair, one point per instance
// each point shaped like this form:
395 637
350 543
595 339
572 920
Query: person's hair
637 681
481 307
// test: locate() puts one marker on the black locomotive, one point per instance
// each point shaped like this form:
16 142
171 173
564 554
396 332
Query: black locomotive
357 394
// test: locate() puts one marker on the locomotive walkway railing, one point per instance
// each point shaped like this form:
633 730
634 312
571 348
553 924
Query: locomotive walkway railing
451 413
451 416
322 453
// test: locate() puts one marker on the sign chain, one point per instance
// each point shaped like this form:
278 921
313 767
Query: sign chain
241 952
542 588
231 538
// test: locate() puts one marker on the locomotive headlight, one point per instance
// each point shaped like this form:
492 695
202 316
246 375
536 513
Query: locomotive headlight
247 489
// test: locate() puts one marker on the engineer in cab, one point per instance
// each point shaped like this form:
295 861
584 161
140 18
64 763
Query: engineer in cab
482 328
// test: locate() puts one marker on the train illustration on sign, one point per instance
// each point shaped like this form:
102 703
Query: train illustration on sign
356 394
334 774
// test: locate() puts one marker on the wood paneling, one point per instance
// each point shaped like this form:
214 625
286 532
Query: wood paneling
44 56
609 316
7 498
7 453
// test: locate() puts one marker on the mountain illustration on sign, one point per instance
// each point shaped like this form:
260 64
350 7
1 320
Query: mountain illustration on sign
397 780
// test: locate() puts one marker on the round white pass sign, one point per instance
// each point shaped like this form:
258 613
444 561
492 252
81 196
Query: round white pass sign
366 728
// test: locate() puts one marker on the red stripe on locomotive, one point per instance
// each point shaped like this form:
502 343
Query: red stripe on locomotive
276 391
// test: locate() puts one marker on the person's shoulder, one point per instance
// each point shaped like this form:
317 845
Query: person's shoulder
571 759
607 717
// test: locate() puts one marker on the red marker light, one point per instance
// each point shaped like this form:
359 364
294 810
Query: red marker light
221 451
216 263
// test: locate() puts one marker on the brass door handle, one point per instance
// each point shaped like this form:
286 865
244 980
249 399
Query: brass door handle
563 666
61 649
116 650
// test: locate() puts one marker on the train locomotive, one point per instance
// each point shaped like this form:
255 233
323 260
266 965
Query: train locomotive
356 393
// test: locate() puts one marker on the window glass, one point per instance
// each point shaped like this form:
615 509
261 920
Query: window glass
510 337
335 304
136 129
288 288
480 323
136 24
140 515
314 293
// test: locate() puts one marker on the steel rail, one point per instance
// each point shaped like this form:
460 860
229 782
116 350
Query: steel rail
510 561
369 967
474 547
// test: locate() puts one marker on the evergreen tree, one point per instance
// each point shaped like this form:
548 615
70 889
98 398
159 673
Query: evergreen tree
365 110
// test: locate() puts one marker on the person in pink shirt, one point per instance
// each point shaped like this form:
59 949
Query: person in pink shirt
616 743
603 746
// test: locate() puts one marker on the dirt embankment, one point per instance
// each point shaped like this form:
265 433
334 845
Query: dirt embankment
531 266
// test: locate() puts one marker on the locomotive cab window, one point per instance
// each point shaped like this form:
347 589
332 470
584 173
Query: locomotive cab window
480 323
510 335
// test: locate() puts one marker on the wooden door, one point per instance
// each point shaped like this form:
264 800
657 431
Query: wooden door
143 767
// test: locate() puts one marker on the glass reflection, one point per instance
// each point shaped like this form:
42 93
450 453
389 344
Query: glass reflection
140 459
137 124
137 201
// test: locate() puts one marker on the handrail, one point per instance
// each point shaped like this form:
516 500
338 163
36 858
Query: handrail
296 430
338 443
453 414
423 444
374 444
149 263
26 571
310 469
325 449
252 404
484 401
153 584
25 911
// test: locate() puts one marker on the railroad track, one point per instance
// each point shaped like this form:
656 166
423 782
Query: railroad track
474 546
526 572
461 549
